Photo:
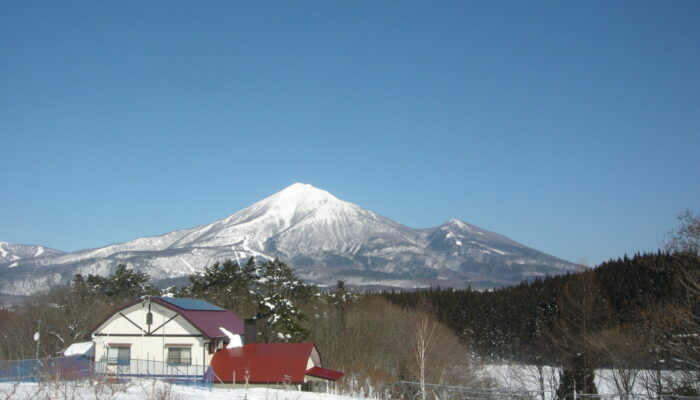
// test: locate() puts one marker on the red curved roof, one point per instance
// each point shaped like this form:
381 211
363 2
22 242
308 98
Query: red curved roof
264 363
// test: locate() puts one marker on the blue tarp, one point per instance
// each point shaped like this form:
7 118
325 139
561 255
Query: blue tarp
66 368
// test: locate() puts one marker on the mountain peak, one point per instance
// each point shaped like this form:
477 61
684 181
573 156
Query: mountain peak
456 223
304 188
298 194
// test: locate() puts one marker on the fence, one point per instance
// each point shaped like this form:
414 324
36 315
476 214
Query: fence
191 375
78 367
415 391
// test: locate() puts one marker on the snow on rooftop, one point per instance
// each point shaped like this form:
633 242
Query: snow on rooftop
80 349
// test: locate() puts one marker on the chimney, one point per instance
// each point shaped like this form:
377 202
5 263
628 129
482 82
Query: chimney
250 331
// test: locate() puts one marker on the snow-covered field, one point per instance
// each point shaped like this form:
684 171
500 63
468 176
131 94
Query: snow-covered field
523 376
147 390
508 377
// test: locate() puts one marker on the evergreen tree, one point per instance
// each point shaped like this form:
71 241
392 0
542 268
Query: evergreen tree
269 291
280 294
124 283
225 284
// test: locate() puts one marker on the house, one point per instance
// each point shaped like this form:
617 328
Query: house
163 331
169 337
269 364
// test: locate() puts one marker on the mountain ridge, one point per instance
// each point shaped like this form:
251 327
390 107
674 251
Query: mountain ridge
322 237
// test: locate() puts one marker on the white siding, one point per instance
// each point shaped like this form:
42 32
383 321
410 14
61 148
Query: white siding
119 329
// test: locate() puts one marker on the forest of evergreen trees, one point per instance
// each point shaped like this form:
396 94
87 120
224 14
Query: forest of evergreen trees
518 323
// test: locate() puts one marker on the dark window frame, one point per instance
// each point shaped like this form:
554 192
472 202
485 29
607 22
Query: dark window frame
176 356
121 358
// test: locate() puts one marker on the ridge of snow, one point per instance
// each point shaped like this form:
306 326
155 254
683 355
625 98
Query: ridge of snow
188 265
39 251
497 251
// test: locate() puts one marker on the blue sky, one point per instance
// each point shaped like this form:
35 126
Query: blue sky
571 127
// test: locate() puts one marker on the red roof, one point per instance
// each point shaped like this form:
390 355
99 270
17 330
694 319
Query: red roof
263 363
325 373
206 321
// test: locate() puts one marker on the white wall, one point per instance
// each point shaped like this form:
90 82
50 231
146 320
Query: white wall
118 329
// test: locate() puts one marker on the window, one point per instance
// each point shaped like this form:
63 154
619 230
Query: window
119 355
179 356
214 345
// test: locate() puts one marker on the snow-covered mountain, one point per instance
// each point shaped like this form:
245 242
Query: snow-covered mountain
322 237
12 253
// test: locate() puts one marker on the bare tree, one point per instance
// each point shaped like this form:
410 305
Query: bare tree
543 377
377 345
684 343
624 350
425 338
686 237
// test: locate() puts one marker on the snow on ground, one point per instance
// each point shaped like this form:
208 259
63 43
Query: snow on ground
525 376
148 389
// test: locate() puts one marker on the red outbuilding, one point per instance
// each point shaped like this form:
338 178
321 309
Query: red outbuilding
270 364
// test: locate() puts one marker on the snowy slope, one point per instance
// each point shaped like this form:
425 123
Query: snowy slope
322 237
11 253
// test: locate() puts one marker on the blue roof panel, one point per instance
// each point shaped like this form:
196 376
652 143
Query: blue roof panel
191 304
